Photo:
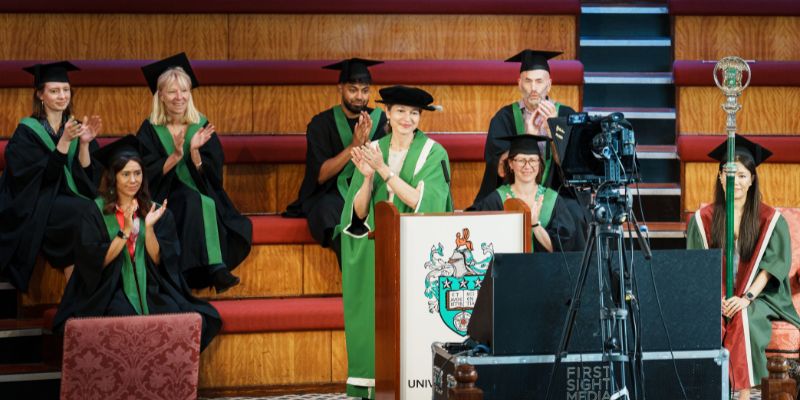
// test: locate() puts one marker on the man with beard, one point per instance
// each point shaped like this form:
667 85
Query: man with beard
330 136
528 116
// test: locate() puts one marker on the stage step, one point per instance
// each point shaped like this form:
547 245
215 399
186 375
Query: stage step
624 20
30 381
634 89
653 126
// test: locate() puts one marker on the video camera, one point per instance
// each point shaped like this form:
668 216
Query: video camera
601 151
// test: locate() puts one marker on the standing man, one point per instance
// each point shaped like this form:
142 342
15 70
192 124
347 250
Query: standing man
330 136
526 116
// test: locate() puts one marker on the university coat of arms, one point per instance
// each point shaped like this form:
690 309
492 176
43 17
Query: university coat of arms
452 284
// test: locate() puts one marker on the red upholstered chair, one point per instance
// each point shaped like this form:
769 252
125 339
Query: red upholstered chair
138 357
785 336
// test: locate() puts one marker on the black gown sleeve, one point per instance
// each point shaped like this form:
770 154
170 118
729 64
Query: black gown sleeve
154 156
563 230
492 202
502 124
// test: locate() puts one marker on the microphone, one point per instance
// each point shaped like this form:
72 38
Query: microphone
447 179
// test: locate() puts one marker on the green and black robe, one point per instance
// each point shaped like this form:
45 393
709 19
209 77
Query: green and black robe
554 217
42 195
748 333
424 167
327 135
508 121
212 231
129 285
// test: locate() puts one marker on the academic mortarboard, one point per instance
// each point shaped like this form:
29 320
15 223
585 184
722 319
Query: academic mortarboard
525 144
533 59
154 70
53 72
126 145
353 70
407 96
757 152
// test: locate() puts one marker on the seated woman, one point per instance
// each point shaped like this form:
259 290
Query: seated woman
184 161
127 253
49 178
553 225
762 259
408 169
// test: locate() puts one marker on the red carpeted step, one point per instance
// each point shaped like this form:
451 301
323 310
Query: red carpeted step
269 315
785 149
283 72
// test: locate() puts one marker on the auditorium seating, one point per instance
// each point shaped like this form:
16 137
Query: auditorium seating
769 116
758 30
259 68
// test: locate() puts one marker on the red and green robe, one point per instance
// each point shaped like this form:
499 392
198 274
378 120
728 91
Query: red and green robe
423 168
747 334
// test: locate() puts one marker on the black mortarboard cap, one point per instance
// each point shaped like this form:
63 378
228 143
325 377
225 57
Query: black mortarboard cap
533 59
125 145
407 96
525 144
53 72
353 69
743 146
154 70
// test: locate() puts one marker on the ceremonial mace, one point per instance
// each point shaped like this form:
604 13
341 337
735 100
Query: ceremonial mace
731 71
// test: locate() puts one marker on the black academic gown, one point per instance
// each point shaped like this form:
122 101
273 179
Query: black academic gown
321 203
235 230
38 212
501 125
95 290
561 228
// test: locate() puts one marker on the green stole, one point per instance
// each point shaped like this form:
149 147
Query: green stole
134 275
548 204
207 203
45 137
346 135
519 124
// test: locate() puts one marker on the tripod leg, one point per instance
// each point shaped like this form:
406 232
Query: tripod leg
574 306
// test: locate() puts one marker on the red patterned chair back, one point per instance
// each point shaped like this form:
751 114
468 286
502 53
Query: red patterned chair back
137 357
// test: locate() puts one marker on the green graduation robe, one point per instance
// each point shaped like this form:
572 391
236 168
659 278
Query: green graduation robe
422 167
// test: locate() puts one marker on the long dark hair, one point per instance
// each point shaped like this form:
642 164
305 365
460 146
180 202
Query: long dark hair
108 186
509 179
38 105
749 226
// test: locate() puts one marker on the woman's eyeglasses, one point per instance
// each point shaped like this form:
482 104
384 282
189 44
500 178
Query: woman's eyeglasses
521 162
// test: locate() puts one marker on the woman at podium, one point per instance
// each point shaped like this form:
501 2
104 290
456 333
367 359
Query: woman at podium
762 259
410 170
553 225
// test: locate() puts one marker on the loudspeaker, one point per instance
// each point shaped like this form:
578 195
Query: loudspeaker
524 301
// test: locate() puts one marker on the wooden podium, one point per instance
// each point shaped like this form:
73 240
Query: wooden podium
405 323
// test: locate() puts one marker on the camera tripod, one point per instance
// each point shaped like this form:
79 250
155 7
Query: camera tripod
605 239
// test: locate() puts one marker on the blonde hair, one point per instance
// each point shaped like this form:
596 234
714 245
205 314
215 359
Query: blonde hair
159 114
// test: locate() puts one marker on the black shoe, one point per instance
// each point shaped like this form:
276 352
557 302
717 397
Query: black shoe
224 280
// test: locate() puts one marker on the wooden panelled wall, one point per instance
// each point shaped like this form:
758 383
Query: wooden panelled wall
768 38
280 36
766 110
263 188
275 270
279 109
278 358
